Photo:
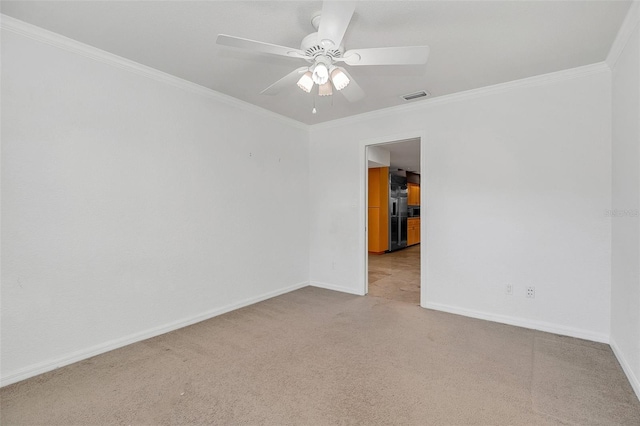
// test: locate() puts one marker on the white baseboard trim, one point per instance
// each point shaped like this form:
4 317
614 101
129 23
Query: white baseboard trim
79 355
633 379
335 288
521 322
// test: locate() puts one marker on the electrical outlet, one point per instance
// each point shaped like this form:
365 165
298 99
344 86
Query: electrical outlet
531 292
509 290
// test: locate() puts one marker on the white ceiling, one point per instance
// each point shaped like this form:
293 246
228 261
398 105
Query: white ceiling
473 43
405 154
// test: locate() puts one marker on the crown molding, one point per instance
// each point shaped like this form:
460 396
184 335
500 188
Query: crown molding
45 36
538 80
628 27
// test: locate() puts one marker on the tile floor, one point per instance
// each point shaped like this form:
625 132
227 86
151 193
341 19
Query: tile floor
396 275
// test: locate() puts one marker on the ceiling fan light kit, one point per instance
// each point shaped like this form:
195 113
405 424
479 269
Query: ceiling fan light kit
320 73
339 78
324 48
325 89
306 82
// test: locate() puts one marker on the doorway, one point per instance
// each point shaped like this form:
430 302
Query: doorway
394 220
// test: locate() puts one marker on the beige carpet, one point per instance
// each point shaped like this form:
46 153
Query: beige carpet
315 357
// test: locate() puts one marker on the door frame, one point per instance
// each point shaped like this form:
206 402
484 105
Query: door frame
364 213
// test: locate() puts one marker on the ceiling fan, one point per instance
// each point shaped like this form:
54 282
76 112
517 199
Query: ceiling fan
324 49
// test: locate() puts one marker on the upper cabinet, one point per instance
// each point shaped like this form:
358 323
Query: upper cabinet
413 198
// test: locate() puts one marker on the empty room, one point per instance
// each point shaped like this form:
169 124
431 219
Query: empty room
320 212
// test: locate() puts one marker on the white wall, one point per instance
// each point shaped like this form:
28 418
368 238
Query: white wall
378 157
516 183
131 206
625 281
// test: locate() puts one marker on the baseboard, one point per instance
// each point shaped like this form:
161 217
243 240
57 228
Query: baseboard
521 322
633 379
43 367
336 288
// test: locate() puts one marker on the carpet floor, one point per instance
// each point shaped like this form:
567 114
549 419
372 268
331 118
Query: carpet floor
318 357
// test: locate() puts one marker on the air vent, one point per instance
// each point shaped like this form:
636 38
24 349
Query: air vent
416 95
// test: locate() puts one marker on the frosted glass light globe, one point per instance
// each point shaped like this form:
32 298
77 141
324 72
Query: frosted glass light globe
340 79
320 74
325 89
305 82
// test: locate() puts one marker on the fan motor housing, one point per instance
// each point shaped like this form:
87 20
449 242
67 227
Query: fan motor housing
312 48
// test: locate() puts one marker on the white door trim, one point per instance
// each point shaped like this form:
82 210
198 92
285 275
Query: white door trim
363 236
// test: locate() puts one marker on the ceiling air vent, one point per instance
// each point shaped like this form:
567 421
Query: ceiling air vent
416 95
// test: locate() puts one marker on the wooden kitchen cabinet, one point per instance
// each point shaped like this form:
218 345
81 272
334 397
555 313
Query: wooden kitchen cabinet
413 231
413 196
378 224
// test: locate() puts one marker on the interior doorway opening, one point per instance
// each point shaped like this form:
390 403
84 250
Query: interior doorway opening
394 220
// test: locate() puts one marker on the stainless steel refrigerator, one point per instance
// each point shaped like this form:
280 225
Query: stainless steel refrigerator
397 212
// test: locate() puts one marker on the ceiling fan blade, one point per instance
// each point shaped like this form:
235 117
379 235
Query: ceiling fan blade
334 20
286 81
409 55
353 92
258 46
